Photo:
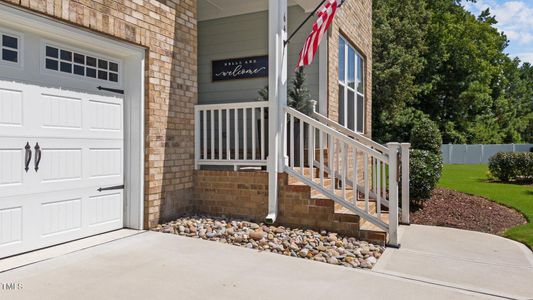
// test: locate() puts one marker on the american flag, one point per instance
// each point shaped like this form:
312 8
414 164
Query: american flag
325 16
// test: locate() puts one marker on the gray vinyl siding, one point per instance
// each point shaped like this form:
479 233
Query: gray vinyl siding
241 36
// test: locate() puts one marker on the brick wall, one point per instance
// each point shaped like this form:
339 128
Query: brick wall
168 30
244 195
354 21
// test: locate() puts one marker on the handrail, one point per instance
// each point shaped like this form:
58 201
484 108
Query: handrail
358 137
360 146
238 105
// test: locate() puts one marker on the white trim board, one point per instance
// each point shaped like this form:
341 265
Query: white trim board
133 58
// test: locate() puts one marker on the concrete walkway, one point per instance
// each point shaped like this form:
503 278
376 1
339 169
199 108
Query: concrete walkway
162 266
462 259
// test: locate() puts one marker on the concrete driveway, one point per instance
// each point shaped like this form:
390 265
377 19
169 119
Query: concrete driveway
153 265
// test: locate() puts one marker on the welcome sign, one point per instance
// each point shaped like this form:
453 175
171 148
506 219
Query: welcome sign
239 68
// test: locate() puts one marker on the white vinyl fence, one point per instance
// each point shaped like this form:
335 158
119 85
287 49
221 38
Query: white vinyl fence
477 154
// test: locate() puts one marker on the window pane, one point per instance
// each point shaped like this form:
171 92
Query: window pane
79 70
52 64
78 58
91 61
360 76
341 104
113 77
102 75
9 41
351 67
113 66
341 59
9 55
66 67
91 72
66 55
52 52
351 110
360 113
102 64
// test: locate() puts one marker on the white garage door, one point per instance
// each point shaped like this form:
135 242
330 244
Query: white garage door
61 141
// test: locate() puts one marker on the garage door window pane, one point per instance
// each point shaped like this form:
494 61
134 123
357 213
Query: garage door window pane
66 67
9 41
102 75
66 55
52 52
91 72
113 66
52 64
9 55
113 77
78 58
102 64
91 61
79 70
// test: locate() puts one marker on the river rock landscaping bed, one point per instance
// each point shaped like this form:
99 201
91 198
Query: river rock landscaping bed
323 246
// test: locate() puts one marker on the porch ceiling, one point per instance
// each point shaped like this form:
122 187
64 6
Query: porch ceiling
214 9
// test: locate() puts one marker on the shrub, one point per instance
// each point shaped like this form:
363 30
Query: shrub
425 135
507 166
425 169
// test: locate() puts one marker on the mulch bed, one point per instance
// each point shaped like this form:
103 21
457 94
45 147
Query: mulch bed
458 210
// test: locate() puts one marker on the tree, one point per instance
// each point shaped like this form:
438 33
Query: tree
299 96
436 58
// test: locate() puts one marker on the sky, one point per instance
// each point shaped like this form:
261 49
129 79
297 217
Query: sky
515 18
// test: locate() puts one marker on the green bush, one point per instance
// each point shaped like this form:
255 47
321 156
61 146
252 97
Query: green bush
425 135
508 166
425 169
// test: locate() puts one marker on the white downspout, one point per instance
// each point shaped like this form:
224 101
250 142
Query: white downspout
277 97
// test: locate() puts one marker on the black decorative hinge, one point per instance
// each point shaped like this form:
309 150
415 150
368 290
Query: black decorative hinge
101 88
117 187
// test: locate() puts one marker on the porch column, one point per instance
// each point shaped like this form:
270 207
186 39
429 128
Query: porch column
277 97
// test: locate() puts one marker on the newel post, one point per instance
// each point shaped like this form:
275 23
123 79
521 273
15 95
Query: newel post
405 183
277 98
393 194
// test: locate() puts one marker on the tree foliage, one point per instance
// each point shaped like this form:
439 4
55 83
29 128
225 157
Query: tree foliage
433 59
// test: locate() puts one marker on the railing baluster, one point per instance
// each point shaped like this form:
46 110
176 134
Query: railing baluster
310 150
354 173
212 134
220 122
263 139
228 135
378 194
254 149
291 144
344 166
331 154
384 187
321 146
301 143
366 182
236 121
245 133
204 132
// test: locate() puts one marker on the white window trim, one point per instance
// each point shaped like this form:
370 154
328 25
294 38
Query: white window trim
62 46
20 51
348 88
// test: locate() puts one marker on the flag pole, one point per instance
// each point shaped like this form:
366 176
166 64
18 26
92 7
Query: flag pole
303 23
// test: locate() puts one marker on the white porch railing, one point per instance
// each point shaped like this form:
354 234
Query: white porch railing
357 172
234 134
347 167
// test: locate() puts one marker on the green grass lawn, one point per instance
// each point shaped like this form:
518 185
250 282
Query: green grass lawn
472 179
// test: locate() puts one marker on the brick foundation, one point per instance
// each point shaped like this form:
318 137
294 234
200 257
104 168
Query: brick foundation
244 195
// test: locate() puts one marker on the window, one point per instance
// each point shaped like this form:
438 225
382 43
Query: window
73 62
9 48
351 87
